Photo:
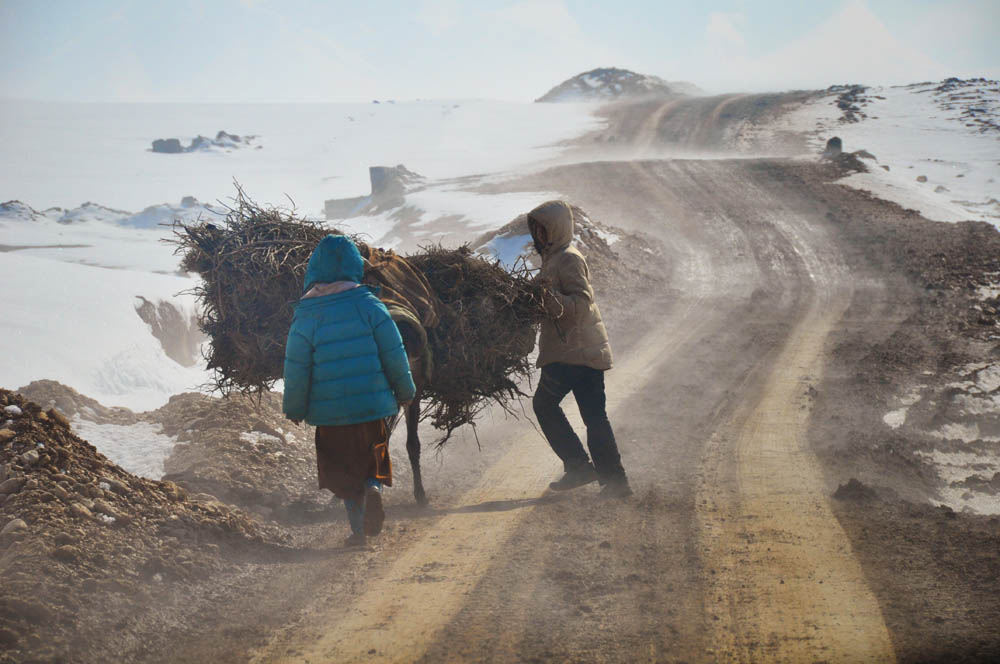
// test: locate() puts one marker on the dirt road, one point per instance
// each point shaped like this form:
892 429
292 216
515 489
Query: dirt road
729 551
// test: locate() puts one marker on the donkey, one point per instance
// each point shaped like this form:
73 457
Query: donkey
413 343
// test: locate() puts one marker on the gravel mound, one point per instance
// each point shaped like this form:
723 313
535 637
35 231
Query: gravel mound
243 452
71 520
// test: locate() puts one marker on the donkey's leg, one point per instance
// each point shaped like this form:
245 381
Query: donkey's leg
413 449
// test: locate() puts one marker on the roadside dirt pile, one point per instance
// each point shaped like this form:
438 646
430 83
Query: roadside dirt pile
237 449
242 451
71 520
69 402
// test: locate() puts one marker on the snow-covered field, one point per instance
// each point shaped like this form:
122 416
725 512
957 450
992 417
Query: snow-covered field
85 241
943 156
77 324
939 162
61 155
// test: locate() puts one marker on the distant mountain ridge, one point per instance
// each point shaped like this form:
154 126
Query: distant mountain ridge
610 83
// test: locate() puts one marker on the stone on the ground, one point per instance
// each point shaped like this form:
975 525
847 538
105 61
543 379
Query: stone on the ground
13 526
834 147
58 418
80 510
167 146
12 485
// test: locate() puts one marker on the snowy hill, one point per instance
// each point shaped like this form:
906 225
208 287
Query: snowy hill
606 84
935 144
94 300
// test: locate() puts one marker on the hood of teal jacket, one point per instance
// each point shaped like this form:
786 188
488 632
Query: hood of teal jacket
335 259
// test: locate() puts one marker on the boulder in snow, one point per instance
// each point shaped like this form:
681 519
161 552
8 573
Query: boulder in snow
167 146
834 147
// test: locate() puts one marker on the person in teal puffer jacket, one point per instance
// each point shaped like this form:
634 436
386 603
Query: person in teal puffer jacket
346 371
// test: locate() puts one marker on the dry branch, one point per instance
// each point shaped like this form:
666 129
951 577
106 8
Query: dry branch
252 267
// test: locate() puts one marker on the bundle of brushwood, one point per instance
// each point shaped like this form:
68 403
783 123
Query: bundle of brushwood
477 319
487 328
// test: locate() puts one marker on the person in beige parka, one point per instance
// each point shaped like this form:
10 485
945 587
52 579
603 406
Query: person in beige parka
573 353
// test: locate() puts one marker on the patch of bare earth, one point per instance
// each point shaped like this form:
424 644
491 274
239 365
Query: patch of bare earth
916 319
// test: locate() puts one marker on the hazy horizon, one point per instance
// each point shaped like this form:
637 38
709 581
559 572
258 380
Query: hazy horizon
257 51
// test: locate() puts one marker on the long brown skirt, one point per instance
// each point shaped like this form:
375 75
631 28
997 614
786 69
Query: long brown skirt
348 455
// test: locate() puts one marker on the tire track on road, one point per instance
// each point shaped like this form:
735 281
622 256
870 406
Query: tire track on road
784 584
400 612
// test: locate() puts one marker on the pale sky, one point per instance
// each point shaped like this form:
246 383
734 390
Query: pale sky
313 51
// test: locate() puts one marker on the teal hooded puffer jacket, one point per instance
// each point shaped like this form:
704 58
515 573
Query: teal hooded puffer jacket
344 359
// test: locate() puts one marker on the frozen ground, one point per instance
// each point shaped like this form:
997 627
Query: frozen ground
962 423
139 448
77 324
55 154
84 238
944 133
92 234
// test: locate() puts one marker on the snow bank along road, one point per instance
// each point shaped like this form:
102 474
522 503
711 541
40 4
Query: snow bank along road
730 551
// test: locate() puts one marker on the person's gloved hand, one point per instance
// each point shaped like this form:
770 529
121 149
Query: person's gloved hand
295 422
550 303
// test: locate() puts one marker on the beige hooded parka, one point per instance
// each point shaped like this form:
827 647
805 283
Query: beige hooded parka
577 335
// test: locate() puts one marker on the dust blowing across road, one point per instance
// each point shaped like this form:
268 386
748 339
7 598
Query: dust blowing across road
749 387
710 402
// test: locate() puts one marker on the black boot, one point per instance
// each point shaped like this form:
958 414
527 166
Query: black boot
616 487
584 474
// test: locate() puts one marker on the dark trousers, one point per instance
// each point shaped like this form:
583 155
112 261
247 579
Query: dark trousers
587 386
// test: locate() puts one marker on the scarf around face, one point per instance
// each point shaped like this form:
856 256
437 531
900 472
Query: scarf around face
321 289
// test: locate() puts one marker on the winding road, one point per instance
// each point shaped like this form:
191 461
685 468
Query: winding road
728 552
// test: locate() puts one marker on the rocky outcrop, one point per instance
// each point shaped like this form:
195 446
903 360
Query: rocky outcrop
222 140
610 83
18 211
168 146
834 147
850 100
389 187
176 331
